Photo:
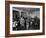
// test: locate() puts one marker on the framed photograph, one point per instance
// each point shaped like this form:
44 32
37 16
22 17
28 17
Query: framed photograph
24 19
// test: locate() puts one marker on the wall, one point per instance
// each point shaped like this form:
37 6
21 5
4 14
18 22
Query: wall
2 19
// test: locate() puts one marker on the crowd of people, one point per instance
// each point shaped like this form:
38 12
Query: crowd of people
26 23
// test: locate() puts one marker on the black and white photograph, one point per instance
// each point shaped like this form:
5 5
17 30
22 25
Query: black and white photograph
26 18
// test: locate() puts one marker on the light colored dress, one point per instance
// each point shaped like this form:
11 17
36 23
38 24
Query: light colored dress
22 21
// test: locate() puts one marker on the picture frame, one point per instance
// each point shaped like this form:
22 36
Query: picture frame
10 6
